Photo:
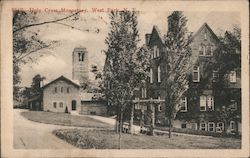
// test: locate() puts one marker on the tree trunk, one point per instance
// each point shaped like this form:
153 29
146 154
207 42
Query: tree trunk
152 115
170 127
117 124
142 119
132 120
120 130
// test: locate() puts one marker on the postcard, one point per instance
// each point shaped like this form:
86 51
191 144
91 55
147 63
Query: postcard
125 78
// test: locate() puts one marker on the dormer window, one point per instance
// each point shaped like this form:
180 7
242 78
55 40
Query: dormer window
205 36
156 52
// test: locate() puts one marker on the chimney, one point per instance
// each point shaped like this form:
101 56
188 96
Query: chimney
147 38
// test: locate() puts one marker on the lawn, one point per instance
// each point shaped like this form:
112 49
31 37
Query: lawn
64 119
108 139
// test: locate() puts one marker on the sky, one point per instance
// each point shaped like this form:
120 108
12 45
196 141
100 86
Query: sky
58 61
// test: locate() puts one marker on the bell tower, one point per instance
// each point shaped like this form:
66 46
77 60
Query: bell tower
80 65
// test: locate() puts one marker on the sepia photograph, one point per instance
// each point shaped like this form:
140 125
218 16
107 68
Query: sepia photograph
124 77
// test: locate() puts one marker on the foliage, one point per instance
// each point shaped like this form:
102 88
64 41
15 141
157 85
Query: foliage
86 141
27 45
35 89
125 66
178 62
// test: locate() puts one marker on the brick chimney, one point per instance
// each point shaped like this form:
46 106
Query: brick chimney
147 38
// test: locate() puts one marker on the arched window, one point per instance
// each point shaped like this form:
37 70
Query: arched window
82 56
159 73
79 57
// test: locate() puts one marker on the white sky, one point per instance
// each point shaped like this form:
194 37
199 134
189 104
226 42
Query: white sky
58 61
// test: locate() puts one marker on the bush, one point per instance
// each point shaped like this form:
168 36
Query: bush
85 141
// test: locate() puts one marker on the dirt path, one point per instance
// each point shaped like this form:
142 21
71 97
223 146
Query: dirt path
33 135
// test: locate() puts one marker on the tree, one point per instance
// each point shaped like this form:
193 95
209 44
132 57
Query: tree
125 68
27 45
229 59
178 62
35 89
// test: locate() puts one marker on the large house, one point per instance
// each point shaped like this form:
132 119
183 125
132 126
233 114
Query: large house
213 100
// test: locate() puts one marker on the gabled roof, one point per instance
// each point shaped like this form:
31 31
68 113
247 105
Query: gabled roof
158 33
205 25
64 79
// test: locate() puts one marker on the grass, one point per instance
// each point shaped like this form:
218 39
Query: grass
64 119
107 139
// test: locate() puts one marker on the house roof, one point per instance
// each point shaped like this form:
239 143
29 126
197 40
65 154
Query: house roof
158 33
64 79
205 25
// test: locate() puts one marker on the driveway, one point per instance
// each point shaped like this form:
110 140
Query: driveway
33 135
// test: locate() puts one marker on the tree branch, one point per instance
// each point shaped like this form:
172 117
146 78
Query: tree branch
46 22
20 58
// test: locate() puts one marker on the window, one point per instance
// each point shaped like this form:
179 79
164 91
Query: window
61 104
209 51
203 126
159 73
215 76
159 107
137 106
61 89
54 104
183 104
196 74
144 92
68 90
183 125
205 36
55 89
220 127
151 75
79 56
211 127
232 76
232 126
145 107
206 103
194 126
82 56
203 103
233 105
210 103
155 52
201 50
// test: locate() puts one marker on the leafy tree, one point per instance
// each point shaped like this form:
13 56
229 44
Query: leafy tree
35 89
27 45
178 62
124 69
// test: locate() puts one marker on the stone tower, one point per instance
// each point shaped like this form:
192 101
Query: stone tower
80 65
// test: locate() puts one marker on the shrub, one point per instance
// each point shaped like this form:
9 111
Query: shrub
82 141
